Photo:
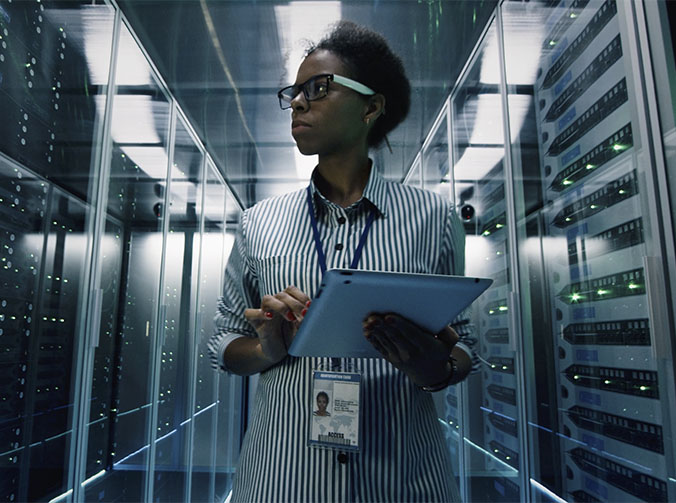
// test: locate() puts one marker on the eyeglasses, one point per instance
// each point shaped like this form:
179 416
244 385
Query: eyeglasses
317 87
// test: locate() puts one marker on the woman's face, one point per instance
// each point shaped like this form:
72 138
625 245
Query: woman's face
333 123
322 402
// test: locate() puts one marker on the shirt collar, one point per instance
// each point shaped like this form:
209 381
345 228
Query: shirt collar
375 192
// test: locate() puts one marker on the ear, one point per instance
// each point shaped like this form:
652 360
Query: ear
375 108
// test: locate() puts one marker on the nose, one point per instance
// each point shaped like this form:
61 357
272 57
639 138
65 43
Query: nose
299 103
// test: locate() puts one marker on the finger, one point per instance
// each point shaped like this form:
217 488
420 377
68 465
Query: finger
294 306
298 294
405 335
390 349
372 320
375 341
272 304
257 315
448 336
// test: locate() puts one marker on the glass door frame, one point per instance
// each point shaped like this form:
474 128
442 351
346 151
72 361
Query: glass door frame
88 327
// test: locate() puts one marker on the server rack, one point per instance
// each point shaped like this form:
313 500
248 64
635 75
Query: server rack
99 173
595 193
573 402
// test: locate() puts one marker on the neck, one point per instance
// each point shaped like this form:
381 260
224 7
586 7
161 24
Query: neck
342 181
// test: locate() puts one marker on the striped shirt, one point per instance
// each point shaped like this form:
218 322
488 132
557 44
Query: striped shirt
403 456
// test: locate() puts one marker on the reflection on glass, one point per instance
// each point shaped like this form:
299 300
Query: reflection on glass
595 403
51 98
206 408
131 255
177 333
436 160
229 411
414 176
490 422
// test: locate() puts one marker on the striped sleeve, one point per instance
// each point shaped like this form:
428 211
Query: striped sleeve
240 290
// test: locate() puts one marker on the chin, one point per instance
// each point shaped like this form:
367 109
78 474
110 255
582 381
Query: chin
305 149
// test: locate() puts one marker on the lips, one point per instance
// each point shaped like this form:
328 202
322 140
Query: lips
297 125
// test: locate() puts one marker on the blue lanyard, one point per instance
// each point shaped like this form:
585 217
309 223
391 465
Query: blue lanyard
318 243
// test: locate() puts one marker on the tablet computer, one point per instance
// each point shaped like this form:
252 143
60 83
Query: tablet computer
332 326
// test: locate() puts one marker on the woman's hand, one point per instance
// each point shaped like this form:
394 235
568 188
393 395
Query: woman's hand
277 321
421 355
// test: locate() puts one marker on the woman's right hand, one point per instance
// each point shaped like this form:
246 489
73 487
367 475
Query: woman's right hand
277 321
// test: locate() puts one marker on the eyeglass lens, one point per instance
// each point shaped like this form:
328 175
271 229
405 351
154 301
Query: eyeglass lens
313 89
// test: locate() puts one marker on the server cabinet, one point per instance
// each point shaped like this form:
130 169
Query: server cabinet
102 380
589 252
50 137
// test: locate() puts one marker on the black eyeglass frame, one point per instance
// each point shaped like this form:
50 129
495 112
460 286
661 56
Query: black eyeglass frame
285 100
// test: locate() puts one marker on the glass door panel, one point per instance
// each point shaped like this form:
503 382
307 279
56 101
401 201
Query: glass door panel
178 330
131 255
491 401
52 95
230 388
436 160
597 412
206 386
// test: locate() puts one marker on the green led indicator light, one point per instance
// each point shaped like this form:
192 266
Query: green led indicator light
567 182
590 166
602 292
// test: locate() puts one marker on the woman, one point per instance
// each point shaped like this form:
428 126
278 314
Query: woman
322 404
350 91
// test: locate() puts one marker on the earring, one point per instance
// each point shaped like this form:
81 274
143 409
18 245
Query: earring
367 120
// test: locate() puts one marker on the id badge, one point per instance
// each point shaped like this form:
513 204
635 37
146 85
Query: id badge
335 419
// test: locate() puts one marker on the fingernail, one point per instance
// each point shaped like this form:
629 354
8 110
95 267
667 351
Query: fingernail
268 314
290 316
302 313
307 304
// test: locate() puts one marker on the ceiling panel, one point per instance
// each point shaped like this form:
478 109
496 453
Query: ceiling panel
224 61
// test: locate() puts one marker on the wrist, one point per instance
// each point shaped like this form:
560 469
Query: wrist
450 378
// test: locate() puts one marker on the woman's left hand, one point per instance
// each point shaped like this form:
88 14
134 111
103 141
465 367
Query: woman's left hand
423 356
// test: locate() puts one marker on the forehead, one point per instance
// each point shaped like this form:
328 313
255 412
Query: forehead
320 61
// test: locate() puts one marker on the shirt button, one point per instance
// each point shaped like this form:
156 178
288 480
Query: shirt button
339 246
342 458
341 220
